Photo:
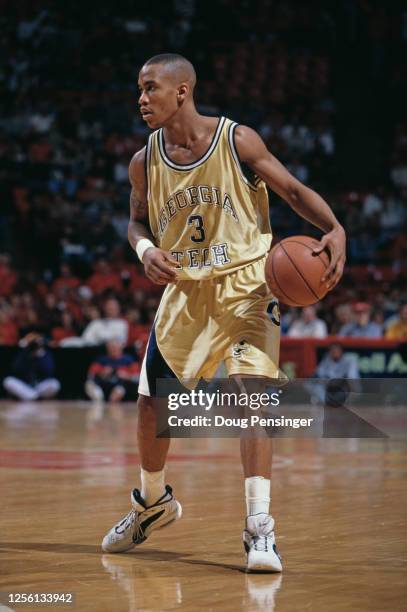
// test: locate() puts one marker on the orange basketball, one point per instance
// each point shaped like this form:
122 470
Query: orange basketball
294 273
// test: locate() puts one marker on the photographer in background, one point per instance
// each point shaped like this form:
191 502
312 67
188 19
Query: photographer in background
32 371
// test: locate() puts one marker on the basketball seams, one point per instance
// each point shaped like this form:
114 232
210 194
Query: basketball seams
299 271
308 247
279 286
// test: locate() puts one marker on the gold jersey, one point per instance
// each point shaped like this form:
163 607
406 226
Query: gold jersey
210 214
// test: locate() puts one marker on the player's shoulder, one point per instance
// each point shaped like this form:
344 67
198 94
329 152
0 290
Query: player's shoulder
247 141
137 165
244 133
139 158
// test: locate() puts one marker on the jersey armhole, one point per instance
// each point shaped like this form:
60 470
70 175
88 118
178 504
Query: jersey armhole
147 172
147 165
247 174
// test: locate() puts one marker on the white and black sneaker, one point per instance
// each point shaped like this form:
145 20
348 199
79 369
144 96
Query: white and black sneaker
260 544
137 525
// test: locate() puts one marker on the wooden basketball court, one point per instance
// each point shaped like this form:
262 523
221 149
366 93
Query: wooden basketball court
66 470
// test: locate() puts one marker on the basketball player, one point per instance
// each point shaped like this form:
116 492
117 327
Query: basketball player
199 222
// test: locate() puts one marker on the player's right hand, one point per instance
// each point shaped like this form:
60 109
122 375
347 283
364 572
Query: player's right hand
160 266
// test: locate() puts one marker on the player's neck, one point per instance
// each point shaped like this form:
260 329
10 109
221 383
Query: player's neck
186 127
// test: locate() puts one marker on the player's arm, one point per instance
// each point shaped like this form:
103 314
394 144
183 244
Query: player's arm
158 264
306 202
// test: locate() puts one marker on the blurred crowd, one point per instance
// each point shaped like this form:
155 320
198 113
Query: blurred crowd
349 320
110 304
69 126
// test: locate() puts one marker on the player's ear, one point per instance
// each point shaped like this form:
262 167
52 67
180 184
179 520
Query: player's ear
182 93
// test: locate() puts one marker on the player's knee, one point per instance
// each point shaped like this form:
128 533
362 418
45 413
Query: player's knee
146 409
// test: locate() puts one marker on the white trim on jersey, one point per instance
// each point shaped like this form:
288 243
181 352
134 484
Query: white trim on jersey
235 155
148 158
143 386
198 162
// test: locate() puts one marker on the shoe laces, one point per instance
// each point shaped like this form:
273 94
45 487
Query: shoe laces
138 534
261 532
127 522
261 543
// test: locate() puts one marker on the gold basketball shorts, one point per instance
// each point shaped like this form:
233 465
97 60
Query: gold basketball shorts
199 324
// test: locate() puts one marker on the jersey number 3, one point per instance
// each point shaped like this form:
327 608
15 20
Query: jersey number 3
197 221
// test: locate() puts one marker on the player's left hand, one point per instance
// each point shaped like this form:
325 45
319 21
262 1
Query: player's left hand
335 242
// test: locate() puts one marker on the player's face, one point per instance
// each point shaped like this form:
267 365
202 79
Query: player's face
158 96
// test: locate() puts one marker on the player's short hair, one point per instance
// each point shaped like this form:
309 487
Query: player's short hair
168 58
176 61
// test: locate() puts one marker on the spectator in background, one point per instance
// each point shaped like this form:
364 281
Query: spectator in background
32 372
113 376
297 137
343 315
324 140
110 327
64 328
378 318
8 328
392 216
138 332
120 220
286 317
361 326
65 282
103 278
335 365
398 171
308 325
398 329
49 312
8 277
91 312
373 202
298 169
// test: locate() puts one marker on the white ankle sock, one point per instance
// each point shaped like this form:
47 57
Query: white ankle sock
152 486
257 491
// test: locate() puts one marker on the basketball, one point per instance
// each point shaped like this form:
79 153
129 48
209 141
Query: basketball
294 272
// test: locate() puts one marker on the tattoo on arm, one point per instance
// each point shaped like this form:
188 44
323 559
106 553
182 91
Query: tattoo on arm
139 226
138 208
